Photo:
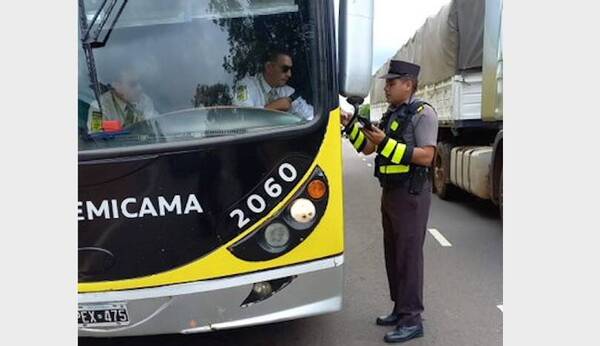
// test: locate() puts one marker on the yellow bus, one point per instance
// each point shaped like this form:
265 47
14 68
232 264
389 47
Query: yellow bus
200 206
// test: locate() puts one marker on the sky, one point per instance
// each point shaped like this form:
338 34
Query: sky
394 23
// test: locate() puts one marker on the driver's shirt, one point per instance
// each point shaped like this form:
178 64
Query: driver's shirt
114 108
254 91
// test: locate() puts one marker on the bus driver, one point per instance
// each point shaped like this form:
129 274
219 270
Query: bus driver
269 89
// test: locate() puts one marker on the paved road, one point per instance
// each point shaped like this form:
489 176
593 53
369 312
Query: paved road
463 282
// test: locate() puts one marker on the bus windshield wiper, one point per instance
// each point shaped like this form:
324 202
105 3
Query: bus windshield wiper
90 36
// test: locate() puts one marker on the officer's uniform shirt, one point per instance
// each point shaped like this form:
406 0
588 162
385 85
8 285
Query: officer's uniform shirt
423 126
254 91
115 108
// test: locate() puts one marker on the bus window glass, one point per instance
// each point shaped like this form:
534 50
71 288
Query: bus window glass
153 71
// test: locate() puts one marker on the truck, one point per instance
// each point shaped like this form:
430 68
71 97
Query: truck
460 54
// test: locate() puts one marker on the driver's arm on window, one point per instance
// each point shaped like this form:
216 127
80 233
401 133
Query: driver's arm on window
302 108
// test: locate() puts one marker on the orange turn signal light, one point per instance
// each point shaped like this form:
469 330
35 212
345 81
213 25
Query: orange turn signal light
316 189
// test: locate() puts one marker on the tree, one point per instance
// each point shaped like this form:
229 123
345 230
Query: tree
251 37
213 95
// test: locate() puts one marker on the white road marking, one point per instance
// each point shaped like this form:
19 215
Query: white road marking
439 237
370 165
500 307
364 159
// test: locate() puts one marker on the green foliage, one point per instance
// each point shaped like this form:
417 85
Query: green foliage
251 37
211 95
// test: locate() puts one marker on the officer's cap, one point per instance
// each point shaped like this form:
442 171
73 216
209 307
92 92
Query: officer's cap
399 68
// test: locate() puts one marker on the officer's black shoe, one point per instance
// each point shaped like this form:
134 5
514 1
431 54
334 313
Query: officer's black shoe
389 320
404 333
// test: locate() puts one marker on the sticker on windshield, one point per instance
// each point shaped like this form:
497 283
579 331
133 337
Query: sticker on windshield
96 125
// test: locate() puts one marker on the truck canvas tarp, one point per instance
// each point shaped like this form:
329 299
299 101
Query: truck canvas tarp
447 43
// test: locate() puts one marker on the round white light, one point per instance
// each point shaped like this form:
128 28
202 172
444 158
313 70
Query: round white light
303 210
262 289
277 235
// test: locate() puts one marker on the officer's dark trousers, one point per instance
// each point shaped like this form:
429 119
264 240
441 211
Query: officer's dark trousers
404 218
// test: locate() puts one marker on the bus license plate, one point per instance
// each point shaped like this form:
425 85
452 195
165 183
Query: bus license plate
103 315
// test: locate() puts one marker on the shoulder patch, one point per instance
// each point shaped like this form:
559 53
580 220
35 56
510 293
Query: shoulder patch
241 93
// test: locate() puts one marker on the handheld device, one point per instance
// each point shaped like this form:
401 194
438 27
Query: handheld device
366 123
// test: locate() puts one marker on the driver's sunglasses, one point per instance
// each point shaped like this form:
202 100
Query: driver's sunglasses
285 68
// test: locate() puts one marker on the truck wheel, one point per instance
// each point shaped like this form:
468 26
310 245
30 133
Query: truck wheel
441 170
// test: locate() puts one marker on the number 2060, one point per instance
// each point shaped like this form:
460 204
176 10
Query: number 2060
256 203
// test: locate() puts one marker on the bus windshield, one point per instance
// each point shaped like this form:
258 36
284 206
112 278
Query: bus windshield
153 71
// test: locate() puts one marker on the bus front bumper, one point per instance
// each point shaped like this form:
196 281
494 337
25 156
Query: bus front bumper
315 288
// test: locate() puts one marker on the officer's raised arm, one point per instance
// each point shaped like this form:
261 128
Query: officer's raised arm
378 141
357 137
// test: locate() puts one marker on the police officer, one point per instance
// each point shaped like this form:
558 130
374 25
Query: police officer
269 89
405 143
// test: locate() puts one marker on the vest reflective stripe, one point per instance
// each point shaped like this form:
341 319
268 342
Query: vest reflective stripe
394 169
394 125
354 132
359 141
398 153
389 146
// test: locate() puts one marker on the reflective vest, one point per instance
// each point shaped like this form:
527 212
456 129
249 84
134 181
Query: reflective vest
392 164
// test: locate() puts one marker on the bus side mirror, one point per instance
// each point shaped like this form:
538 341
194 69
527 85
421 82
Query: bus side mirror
355 47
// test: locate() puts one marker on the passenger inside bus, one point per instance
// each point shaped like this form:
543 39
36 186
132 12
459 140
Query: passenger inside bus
219 64
123 102
270 90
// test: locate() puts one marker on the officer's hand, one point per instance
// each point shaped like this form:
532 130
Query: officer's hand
375 135
281 104
345 117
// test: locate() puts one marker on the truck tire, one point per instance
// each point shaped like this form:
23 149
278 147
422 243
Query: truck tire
441 171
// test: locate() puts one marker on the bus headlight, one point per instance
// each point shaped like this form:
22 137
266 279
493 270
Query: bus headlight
277 236
303 210
287 229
